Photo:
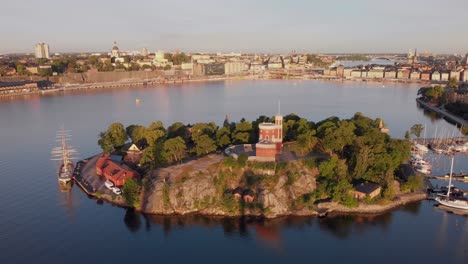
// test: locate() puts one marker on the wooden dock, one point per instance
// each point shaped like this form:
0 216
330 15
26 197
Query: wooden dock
462 178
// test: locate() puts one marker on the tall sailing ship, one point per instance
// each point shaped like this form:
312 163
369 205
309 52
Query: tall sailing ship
64 153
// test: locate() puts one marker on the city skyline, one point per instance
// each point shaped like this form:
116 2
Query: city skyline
261 26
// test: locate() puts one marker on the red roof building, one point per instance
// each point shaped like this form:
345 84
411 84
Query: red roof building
114 172
270 142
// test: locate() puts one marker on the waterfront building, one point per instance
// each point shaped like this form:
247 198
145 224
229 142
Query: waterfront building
234 67
445 76
201 69
32 70
275 65
435 76
363 189
455 74
464 75
415 75
41 51
114 171
426 76
375 74
390 74
347 72
403 74
356 73
257 67
134 153
186 66
270 142
159 60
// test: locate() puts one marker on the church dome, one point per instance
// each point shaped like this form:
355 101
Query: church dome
115 46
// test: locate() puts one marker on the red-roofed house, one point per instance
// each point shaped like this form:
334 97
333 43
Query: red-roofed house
114 172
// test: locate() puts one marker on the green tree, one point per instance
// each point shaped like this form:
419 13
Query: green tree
407 135
416 130
20 69
93 60
105 142
136 132
115 136
434 93
453 83
241 134
337 138
44 72
131 192
175 149
389 190
167 67
204 145
178 129
223 138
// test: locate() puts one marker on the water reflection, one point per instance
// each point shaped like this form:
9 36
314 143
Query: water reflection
132 220
269 231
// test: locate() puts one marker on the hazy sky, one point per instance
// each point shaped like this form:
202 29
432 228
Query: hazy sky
239 25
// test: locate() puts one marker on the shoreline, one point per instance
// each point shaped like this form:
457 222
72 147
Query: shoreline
117 84
326 209
321 209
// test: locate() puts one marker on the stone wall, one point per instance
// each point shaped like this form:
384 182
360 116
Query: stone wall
99 77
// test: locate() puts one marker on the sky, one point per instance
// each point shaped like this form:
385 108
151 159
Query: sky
348 26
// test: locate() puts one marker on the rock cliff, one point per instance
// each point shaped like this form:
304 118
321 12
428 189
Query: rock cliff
215 186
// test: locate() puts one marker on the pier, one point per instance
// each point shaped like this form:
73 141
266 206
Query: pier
446 114
425 141
455 177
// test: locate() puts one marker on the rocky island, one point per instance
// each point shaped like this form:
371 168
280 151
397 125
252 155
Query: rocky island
269 167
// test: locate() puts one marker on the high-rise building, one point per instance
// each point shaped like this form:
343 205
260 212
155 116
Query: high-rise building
41 51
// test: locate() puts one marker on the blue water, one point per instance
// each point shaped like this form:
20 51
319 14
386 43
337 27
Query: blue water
40 224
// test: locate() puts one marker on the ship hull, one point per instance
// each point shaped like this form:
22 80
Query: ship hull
65 176
458 204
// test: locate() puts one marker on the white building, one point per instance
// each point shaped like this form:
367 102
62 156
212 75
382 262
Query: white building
41 50
159 60
233 67
115 53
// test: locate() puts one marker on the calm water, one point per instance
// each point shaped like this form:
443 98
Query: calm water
40 224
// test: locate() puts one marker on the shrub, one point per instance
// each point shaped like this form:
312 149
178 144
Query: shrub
242 159
414 183
131 192
229 203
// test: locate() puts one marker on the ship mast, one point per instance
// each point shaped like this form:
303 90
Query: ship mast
450 179
64 152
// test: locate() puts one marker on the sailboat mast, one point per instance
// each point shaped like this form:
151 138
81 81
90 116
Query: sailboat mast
450 179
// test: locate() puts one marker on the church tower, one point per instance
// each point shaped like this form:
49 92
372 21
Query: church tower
115 51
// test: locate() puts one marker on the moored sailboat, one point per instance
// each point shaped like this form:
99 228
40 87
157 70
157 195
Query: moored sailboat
450 200
65 154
